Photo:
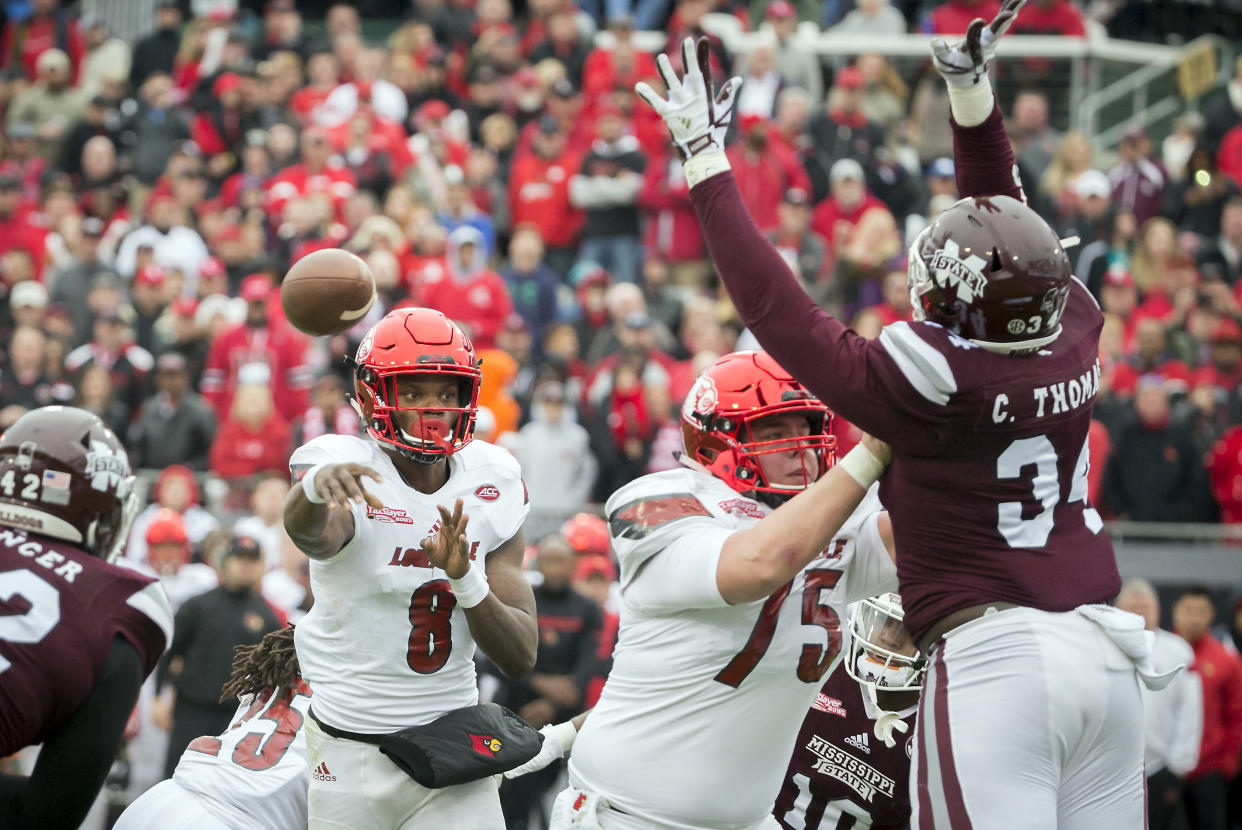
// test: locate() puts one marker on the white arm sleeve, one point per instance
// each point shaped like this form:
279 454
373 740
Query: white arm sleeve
1183 751
871 570
682 575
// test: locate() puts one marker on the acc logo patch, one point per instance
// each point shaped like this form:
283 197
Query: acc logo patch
484 744
487 492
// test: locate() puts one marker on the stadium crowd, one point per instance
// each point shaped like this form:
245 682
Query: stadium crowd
495 164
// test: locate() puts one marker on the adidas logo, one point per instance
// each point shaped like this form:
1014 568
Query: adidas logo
321 773
860 741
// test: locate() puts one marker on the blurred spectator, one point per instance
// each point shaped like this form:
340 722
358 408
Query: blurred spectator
886 97
672 229
154 129
1225 473
1173 716
761 79
150 296
1057 184
539 194
317 173
563 43
200 658
1138 179
794 238
798 65
175 425
22 162
470 293
1175 150
96 395
860 232
1050 17
874 17
329 411
532 284
841 131
1221 258
1195 203
113 348
1155 253
256 341
460 209
595 577
1150 356
569 631
17 231
1156 473
51 105
554 451
606 188
174 245
764 170
265 522
108 58
24 384
1220 672
952 17
24 41
169 553
1034 140
625 328
177 490
78 150
623 422
155 52
254 438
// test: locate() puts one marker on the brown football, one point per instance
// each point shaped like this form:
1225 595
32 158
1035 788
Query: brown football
327 292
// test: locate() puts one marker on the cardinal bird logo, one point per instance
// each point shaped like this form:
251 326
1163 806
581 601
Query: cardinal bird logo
484 744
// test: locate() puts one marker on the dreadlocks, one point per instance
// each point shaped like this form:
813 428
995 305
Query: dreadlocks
263 667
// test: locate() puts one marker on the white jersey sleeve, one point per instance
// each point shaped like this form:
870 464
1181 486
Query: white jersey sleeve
338 449
870 571
682 576
501 492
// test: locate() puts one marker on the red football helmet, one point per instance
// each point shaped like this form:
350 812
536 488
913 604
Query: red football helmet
587 534
993 271
723 406
167 530
416 341
64 474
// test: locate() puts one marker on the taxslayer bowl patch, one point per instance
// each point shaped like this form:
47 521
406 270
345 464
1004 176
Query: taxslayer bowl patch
392 515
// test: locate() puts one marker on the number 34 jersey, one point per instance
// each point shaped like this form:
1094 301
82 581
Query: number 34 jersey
698 718
254 774
385 645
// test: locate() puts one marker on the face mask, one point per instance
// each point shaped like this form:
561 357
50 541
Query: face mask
888 676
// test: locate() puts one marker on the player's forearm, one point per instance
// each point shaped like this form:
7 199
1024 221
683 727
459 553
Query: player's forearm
307 524
508 636
983 158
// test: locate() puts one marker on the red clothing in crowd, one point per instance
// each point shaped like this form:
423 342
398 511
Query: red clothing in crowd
480 304
578 137
539 194
672 229
953 17
306 100
17 231
829 213
600 74
763 179
240 451
34 37
384 136
1060 17
1177 376
888 314
1101 447
280 349
1225 473
1229 155
297 181
1220 670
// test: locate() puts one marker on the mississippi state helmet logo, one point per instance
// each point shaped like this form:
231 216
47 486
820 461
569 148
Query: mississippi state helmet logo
702 398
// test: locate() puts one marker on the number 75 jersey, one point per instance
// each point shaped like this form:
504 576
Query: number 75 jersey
698 718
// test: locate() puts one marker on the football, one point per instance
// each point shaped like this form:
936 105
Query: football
327 292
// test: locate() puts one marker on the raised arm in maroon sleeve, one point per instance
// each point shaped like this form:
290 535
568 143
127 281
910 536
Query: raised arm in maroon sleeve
841 368
983 159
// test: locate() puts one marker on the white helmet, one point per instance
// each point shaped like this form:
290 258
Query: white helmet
883 656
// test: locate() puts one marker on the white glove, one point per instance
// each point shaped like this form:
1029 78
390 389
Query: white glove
696 119
966 62
556 741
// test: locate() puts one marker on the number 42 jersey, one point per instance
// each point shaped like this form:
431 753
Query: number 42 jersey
698 718
385 645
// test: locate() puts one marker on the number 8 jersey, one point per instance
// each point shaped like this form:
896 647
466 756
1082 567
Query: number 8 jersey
698 718
385 646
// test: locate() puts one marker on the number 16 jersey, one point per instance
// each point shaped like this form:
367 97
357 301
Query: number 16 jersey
385 645
698 718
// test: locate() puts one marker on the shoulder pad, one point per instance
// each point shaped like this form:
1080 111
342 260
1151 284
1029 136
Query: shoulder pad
330 449
918 349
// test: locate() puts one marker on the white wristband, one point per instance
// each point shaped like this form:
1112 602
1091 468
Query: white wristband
971 105
700 168
308 485
471 589
566 733
862 466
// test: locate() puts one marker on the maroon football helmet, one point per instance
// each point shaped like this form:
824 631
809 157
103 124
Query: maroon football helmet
993 271
64 474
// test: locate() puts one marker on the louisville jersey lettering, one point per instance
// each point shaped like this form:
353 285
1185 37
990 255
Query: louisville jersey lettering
385 645
701 687
60 609
255 773
841 776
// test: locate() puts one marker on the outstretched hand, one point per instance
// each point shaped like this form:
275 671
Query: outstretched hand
965 62
697 117
340 485
448 549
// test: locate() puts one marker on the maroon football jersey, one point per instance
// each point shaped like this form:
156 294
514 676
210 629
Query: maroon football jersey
841 775
59 610
988 489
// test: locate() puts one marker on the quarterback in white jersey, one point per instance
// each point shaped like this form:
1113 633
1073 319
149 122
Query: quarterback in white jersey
731 611
254 775
405 582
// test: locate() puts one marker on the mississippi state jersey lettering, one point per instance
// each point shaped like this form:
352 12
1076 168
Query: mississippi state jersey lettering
255 773
385 645
59 610
841 775
715 691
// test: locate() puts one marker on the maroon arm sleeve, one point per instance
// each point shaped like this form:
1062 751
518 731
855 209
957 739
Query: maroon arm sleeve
850 374
983 159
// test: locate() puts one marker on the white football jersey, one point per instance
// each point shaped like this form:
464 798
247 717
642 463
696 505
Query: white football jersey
384 646
255 774
698 718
